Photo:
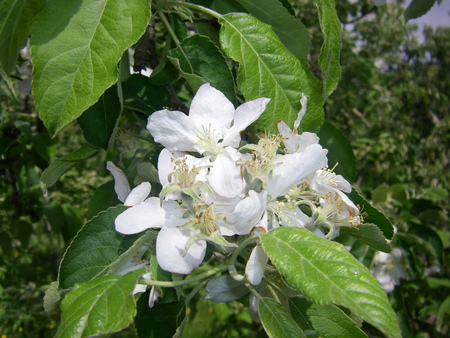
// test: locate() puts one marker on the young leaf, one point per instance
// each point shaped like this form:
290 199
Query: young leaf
369 234
291 31
328 320
331 49
16 17
98 249
75 48
267 69
372 215
326 273
276 320
99 121
104 305
60 166
200 61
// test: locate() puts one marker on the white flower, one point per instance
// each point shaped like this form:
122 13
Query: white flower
212 128
256 265
388 269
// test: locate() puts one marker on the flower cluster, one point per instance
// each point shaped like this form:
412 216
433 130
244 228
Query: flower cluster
214 186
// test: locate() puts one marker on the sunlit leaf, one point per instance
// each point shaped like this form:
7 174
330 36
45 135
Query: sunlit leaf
267 69
75 48
104 305
326 273
369 234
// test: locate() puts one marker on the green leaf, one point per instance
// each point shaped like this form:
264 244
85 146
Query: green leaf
290 30
104 305
276 320
417 8
330 52
372 215
160 321
328 320
200 61
99 121
52 301
369 234
75 48
60 166
104 198
142 96
16 17
98 249
340 151
326 273
267 69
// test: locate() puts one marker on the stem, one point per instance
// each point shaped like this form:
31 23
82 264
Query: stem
194 6
167 284
169 27
234 256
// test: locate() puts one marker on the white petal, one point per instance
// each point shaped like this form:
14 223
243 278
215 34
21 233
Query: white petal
294 168
173 129
302 112
225 176
256 265
245 115
246 215
155 293
170 246
142 216
210 105
121 185
138 194
165 166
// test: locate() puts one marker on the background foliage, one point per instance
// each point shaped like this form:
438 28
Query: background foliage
392 103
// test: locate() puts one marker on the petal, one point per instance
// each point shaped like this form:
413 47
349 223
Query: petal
173 129
165 166
246 215
145 215
170 247
121 185
302 112
256 265
225 176
294 168
138 194
245 115
210 106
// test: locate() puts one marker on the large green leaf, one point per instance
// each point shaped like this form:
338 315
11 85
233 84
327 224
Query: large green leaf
200 61
16 17
290 30
75 48
160 321
328 320
267 69
98 249
326 273
417 8
99 121
330 52
104 305
276 320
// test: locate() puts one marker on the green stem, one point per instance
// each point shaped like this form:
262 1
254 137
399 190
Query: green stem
234 256
169 27
194 6
167 284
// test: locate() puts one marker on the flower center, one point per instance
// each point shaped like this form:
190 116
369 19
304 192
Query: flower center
208 141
